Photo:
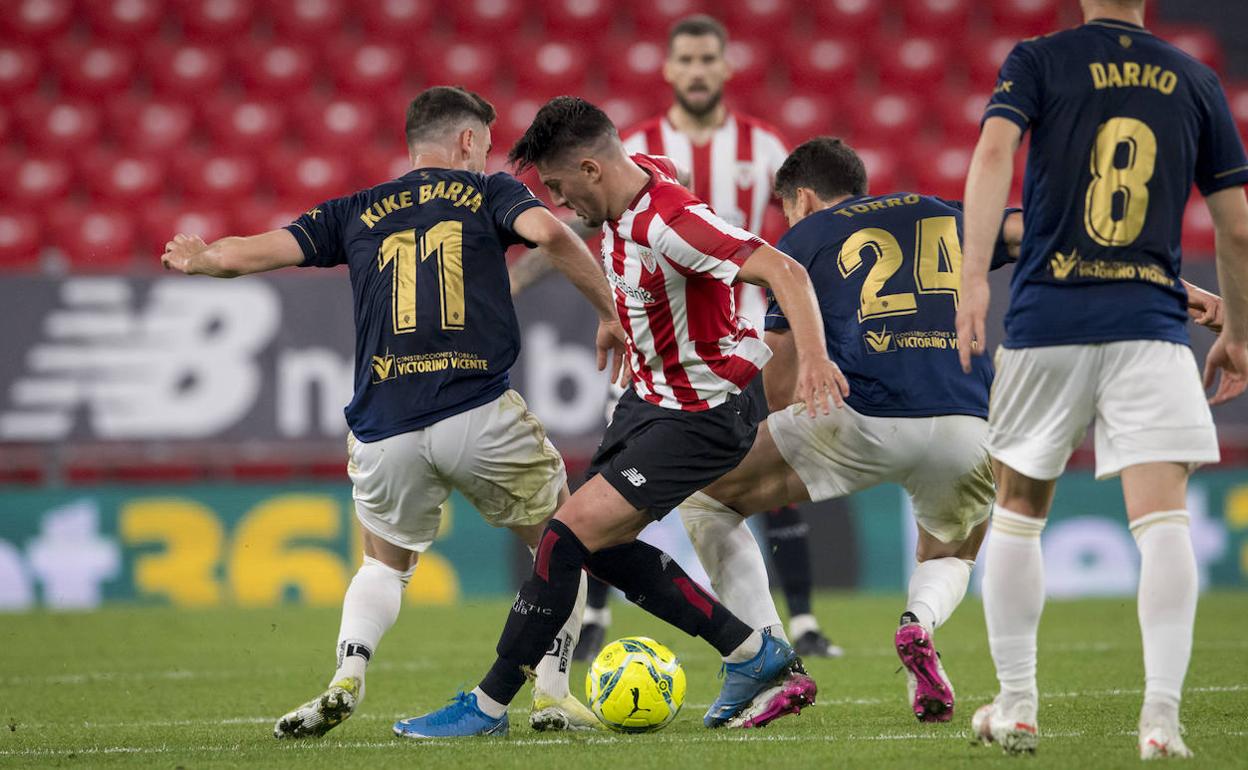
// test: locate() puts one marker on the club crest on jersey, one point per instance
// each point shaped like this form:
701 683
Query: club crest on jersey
647 260
744 176
879 342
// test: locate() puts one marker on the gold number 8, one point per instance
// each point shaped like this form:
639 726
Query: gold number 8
1126 185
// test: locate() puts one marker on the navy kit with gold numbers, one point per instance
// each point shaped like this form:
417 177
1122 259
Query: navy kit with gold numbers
1100 257
435 328
886 271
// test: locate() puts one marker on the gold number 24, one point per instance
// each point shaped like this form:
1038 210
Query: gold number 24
937 265
446 240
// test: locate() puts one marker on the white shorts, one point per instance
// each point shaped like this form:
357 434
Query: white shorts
497 455
1146 396
941 462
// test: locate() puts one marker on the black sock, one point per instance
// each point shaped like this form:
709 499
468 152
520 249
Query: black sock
541 608
596 596
652 581
790 555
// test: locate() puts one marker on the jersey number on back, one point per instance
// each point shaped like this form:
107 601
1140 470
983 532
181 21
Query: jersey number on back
937 265
1123 160
446 240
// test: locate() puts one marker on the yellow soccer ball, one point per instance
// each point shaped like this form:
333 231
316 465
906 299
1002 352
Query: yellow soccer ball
635 685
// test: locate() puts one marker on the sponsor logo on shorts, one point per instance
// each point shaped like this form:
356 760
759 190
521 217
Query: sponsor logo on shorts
634 476
664 560
879 342
521 607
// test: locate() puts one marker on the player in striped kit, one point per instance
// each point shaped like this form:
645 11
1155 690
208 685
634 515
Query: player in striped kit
731 159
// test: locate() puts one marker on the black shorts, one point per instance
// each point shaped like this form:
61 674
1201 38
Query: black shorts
657 457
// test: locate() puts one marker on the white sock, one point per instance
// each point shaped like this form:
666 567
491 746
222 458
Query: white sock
747 649
1014 599
489 706
936 589
369 608
1169 584
597 616
554 668
733 561
803 624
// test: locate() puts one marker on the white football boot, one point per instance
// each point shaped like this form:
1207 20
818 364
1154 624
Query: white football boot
1161 736
324 712
1011 724
567 713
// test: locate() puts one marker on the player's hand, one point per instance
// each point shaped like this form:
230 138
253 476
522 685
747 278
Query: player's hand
1232 359
972 317
180 253
1204 308
817 379
611 339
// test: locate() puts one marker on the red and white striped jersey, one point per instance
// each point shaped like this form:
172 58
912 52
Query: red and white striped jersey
733 172
672 263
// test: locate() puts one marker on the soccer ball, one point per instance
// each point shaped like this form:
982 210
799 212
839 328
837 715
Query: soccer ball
635 685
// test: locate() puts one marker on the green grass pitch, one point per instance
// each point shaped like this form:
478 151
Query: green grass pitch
164 688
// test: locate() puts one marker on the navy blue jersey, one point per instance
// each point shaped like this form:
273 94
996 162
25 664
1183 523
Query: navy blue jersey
435 329
1121 125
886 271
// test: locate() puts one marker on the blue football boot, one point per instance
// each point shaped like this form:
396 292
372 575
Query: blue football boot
769 685
458 719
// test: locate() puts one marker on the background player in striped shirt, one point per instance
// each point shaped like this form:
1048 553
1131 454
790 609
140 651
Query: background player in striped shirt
690 417
1122 124
731 159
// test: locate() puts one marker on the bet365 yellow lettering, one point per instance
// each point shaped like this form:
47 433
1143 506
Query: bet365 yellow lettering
446 241
192 536
1117 200
937 265
263 564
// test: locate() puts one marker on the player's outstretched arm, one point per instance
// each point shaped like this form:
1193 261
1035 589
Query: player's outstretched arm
232 256
987 188
534 264
817 376
1229 354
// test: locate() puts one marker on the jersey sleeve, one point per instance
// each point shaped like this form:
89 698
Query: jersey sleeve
695 238
1220 159
1017 94
505 199
1001 252
319 233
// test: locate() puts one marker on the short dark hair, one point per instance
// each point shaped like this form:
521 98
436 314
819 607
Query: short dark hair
440 108
697 25
561 125
825 165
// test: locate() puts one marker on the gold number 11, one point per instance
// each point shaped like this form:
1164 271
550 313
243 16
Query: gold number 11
446 240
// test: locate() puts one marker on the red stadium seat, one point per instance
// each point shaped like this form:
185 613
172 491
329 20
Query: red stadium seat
941 170
653 18
624 110
58 125
751 60
583 20
886 118
1198 240
637 67
883 167
383 162
123 179
1025 18
186 71
304 20
216 20
369 69
471 64
20 70
7 130
309 176
126 20
252 217
21 238
35 180
279 70
849 17
216 177
984 57
249 124
398 20
338 124
757 17
914 64
1197 42
825 63
549 68
501 18
799 116
936 17
96 72
154 127
1237 96
35 21
959 112
160 223
514 117
94 238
